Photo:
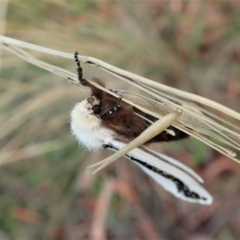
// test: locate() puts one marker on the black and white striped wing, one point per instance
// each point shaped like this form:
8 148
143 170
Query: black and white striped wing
174 176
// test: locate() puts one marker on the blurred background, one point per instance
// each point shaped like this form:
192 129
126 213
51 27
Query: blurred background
46 192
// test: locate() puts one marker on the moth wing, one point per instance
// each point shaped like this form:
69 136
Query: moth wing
172 175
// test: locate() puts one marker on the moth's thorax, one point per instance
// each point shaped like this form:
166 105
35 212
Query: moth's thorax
87 127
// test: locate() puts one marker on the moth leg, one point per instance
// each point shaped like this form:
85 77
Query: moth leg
112 110
119 102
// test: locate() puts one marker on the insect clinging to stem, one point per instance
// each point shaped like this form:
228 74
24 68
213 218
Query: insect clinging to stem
103 121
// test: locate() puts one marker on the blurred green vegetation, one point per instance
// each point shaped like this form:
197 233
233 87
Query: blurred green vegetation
46 191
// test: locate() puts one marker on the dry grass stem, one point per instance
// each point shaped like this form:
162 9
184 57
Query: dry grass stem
30 151
161 100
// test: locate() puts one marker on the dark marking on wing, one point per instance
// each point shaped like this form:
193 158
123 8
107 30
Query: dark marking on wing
179 184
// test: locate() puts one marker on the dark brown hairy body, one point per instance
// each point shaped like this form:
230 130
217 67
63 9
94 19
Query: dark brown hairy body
124 121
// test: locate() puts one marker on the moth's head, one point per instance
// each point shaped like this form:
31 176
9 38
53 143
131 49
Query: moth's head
89 106
93 105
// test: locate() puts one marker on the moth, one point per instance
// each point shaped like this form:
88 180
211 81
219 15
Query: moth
103 121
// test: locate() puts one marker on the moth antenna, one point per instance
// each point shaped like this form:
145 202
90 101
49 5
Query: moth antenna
79 71
95 91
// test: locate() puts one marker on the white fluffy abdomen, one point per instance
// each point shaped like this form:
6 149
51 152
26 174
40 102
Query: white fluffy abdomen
87 127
